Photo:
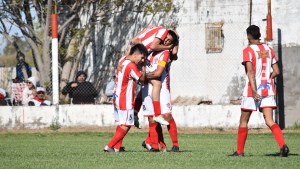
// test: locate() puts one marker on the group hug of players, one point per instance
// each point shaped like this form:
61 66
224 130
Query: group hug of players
148 62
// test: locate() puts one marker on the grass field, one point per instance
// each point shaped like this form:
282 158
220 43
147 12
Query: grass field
84 150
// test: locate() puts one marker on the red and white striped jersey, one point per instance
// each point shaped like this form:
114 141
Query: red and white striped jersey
127 75
148 36
262 58
161 58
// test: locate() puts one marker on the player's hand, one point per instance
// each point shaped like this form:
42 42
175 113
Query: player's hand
256 97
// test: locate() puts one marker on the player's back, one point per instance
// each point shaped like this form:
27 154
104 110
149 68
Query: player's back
148 36
262 58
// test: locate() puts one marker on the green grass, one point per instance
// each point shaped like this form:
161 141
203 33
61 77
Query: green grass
84 150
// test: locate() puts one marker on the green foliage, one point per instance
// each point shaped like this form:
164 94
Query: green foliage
158 6
85 150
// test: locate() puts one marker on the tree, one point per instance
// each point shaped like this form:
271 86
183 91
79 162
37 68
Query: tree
77 22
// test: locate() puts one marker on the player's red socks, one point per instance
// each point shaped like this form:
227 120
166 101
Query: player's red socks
160 136
172 128
148 138
277 134
156 106
119 135
153 134
241 140
119 143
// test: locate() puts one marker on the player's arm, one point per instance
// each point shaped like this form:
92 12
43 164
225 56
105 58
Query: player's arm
143 76
252 81
158 71
276 70
157 46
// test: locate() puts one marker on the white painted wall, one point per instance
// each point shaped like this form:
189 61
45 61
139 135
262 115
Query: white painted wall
204 116
210 76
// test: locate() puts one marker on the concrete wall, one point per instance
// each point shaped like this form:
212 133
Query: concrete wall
204 116
291 77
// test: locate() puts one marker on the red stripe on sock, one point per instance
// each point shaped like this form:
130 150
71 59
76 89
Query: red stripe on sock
241 140
277 134
172 128
156 107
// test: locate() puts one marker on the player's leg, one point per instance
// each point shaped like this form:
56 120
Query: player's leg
161 141
137 106
243 131
125 122
172 129
268 104
153 134
247 106
156 102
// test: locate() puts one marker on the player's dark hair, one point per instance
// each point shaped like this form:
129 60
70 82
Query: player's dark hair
254 31
174 36
138 48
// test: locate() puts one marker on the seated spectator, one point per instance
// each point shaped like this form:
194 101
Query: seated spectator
30 90
40 98
4 99
80 90
109 90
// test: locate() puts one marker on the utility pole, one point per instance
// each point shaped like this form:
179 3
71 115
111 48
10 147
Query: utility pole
55 82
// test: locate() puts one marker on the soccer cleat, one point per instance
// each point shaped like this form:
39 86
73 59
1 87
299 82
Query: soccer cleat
122 149
236 154
154 150
163 149
284 151
107 149
161 120
146 146
136 122
174 149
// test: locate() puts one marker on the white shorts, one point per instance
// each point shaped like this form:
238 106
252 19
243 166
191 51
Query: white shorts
248 103
124 117
165 101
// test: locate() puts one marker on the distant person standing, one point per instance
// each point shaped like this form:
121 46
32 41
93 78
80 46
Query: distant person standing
80 90
23 69
259 93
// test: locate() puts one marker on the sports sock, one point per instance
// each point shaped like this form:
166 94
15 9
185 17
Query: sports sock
156 107
172 128
119 143
153 135
277 134
119 135
148 138
160 136
241 140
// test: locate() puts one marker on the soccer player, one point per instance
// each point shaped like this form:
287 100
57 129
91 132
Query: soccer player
127 75
259 61
156 39
160 69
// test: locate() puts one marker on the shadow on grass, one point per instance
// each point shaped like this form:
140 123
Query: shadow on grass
277 154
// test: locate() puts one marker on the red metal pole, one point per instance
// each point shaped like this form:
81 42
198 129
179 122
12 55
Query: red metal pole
269 34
